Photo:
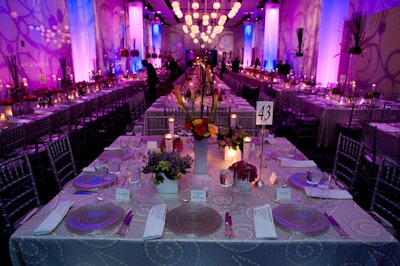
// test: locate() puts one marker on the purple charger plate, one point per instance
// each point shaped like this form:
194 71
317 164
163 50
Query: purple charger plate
92 181
300 219
94 217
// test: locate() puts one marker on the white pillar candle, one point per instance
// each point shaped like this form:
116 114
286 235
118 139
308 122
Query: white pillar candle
168 142
246 147
233 120
171 125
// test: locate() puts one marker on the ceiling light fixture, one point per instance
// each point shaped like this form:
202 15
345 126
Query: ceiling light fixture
211 21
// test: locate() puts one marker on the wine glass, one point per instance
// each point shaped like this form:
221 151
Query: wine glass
138 130
226 180
114 165
241 178
128 130
133 174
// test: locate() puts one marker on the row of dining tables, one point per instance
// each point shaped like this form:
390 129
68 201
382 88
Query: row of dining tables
331 112
127 89
303 233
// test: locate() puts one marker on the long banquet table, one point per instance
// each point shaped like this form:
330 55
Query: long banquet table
330 114
245 112
369 242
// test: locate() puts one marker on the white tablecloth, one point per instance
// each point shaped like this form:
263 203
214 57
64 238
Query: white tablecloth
369 244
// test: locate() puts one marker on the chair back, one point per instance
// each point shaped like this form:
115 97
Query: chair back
386 194
61 160
347 160
369 140
79 115
18 191
359 114
64 121
177 113
222 116
390 113
156 125
12 141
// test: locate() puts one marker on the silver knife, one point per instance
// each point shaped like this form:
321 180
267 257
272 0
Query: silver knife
337 226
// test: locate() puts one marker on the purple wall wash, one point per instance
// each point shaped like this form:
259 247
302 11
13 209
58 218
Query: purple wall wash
38 33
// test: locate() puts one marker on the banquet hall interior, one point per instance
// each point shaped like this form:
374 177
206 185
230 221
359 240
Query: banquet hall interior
330 70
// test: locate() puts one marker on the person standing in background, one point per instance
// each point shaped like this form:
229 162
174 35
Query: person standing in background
286 68
223 68
152 80
235 65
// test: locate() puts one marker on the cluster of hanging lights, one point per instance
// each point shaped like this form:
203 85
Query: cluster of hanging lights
204 26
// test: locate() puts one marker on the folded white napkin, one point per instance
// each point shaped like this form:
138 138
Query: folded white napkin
15 120
88 169
264 222
155 222
54 218
112 148
285 162
61 105
327 194
42 112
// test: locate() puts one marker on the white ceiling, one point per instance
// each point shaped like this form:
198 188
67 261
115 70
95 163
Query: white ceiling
248 7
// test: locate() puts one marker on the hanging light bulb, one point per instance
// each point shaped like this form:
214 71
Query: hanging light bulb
216 5
175 4
196 15
195 5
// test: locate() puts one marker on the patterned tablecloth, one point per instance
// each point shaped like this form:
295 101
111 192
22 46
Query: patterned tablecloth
369 242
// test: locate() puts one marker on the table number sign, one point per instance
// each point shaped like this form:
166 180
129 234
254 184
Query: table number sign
264 112
123 194
198 195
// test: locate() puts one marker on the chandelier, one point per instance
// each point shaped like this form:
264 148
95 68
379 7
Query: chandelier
204 24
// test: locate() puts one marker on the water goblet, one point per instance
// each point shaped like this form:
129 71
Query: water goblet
133 175
114 165
128 130
313 177
226 180
99 168
138 130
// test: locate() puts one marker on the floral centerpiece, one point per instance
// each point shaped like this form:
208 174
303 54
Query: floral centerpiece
232 137
244 167
7 102
30 98
336 91
372 94
167 165
202 127
124 52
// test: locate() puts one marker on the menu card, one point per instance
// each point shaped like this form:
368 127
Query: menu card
264 222
155 222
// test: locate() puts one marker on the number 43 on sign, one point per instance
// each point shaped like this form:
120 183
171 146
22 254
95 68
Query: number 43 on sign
264 112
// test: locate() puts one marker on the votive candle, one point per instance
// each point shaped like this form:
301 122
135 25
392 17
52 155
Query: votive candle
171 125
246 147
168 142
233 120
